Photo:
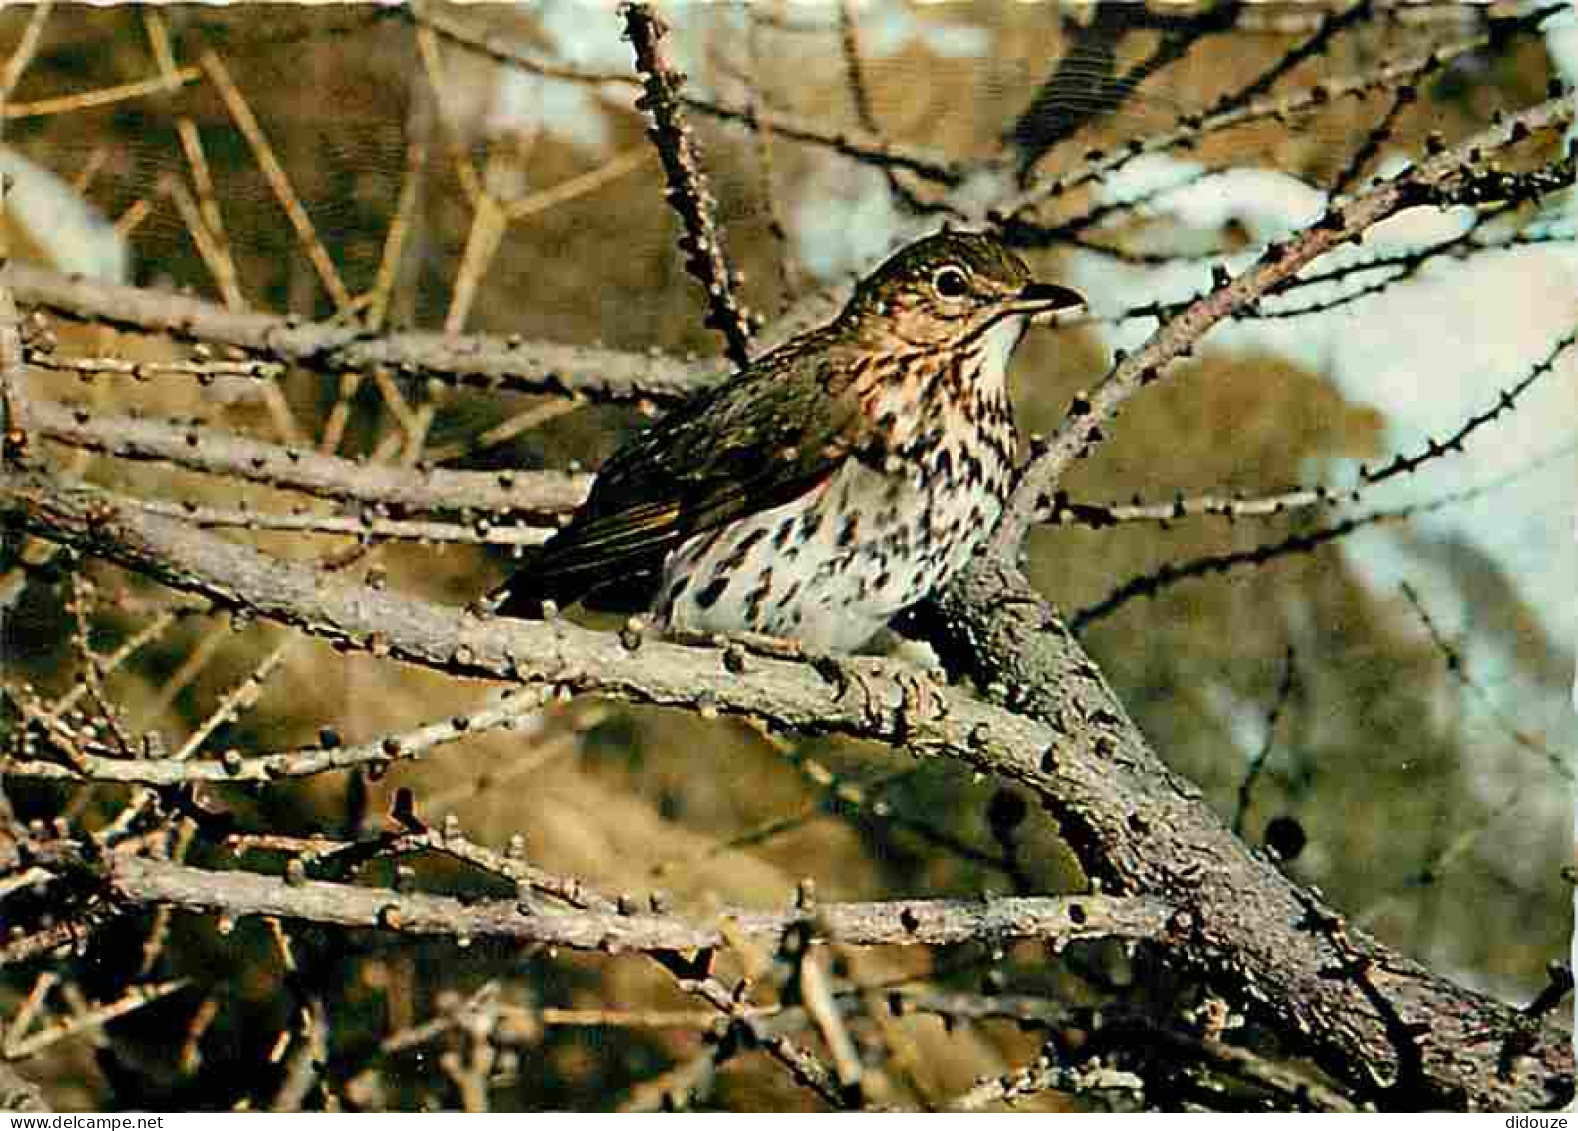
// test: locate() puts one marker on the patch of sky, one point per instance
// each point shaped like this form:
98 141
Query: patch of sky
78 239
844 220
889 26
578 33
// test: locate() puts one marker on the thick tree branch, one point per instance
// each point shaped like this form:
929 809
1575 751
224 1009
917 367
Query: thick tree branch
1142 829
786 693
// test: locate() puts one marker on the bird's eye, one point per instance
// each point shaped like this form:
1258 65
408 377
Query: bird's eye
950 282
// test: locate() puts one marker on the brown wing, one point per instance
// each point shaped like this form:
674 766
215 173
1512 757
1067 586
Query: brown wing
763 438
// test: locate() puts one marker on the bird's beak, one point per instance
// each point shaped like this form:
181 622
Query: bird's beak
1047 298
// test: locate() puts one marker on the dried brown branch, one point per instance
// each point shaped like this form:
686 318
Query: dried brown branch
401 490
279 181
328 756
214 256
91 99
141 882
20 1044
394 247
25 50
476 360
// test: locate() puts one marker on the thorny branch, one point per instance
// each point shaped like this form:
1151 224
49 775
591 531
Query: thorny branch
507 364
1277 263
688 192
139 882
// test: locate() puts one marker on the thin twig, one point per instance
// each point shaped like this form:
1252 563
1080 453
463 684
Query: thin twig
278 179
360 526
411 745
1277 263
1257 764
92 99
135 998
398 490
204 371
400 225
484 361
240 698
689 194
25 50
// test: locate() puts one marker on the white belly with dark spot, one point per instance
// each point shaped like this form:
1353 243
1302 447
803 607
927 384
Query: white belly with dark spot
831 568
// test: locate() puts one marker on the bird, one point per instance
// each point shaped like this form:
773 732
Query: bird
830 484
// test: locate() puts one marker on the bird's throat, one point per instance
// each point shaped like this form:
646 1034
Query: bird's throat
923 393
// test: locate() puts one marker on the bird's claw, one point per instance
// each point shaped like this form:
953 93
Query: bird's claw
844 673
923 699
919 696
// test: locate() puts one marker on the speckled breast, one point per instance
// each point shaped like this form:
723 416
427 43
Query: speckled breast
832 567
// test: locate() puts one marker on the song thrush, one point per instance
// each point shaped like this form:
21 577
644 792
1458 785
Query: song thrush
831 483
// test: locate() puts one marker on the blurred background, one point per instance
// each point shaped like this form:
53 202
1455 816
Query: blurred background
1389 707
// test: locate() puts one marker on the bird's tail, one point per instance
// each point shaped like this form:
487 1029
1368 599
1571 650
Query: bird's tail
548 575
526 591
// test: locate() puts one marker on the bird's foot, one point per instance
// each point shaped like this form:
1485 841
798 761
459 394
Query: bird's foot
875 677
845 674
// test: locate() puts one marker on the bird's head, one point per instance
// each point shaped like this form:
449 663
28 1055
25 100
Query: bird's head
948 289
